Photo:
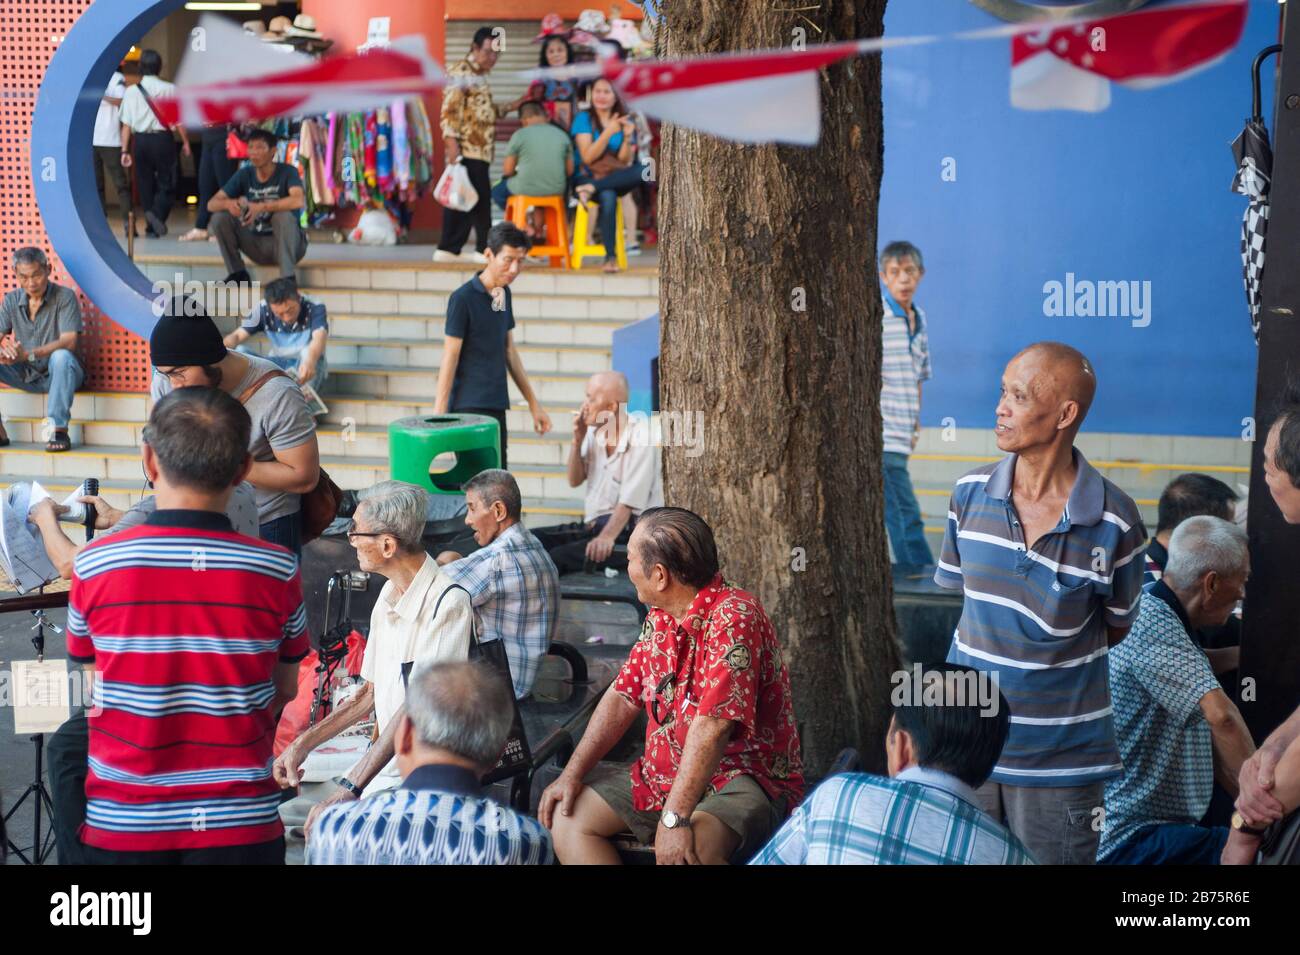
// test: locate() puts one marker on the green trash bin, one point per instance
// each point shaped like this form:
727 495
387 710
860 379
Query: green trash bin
414 442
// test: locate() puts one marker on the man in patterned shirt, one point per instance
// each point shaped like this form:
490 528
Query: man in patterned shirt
469 132
1175 726
511 581
722 764
941 745
451 733
905 363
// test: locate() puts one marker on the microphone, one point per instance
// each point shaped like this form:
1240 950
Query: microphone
90 488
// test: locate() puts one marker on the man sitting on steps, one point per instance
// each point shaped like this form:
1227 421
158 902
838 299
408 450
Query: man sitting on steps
257 212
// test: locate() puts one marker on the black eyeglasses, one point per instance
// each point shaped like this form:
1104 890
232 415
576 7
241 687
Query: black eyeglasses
664 684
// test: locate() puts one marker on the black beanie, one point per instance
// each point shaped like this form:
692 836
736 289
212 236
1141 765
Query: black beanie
186 336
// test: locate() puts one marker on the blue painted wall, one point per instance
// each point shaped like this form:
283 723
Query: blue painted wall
1137 192
635 344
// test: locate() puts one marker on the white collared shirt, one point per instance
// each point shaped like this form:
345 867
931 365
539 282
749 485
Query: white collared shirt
632 475
135 111
108 131
404 630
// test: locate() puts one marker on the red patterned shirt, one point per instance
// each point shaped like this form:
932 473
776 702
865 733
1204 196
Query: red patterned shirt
722 661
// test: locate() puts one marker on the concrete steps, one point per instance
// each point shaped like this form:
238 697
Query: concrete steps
386 322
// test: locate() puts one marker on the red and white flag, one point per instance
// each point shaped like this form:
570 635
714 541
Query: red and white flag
233 78
1072 66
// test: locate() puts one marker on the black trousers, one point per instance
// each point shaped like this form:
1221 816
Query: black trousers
108 165
501 420
456 225
262 853
567 544
155 171
66 753
215 171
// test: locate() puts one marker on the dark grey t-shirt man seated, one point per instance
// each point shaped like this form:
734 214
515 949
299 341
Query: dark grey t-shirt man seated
256 213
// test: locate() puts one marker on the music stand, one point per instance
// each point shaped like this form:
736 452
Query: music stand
40 848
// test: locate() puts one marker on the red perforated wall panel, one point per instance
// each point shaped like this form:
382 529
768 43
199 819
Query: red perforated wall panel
30 32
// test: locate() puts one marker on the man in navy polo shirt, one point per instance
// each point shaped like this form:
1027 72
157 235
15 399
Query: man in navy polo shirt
478 346
1049 556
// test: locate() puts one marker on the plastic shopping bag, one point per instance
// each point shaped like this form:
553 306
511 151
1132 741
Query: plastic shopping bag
454 189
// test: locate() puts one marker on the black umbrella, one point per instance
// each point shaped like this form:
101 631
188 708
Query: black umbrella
1254 158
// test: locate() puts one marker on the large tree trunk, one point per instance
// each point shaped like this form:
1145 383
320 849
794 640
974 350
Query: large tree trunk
771 318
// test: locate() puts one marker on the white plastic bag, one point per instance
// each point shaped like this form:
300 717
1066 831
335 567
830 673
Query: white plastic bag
454 189
375 227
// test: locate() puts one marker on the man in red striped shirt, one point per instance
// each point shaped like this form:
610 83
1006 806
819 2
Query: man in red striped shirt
196 632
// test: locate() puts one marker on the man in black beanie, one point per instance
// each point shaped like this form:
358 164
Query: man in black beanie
186 349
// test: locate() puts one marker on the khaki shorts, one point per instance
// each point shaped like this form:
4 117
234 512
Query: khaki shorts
742 806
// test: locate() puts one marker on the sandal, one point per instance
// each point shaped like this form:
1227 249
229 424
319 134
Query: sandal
610 266
60 442
195 235
584 193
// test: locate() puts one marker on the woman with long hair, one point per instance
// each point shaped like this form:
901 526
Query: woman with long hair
556 96
605 139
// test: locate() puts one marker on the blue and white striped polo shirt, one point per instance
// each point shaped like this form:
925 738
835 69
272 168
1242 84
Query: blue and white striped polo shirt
904 364
1038 617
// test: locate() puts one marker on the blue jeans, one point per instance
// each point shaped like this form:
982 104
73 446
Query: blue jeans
608 190
285 531
1170 844
61 380
903 514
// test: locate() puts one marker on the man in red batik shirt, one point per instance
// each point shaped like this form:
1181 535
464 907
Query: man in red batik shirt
721 766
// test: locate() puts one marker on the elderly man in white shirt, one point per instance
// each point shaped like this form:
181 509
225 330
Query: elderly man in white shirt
420 617
622 466
148 145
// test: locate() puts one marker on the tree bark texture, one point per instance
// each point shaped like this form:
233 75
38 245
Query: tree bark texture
771 324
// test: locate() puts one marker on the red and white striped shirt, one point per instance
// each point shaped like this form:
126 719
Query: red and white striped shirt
185 621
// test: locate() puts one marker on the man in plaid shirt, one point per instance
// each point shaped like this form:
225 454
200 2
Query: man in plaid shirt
939 750
511 581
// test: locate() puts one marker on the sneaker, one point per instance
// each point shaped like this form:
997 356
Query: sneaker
157 225
444 256
477 257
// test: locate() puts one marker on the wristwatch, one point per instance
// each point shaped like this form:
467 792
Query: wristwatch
671 820
345 783
1239 823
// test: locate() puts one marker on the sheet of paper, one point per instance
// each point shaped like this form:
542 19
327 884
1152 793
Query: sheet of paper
21 549
40 694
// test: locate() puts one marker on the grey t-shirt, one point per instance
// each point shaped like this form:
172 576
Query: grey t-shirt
280 421
242 511
59 312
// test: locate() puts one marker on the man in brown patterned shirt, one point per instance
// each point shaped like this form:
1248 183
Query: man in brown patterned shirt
469 129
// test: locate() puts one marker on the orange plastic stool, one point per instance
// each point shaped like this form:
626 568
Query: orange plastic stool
557 229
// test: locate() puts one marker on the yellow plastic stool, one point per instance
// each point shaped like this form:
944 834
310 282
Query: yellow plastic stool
583 247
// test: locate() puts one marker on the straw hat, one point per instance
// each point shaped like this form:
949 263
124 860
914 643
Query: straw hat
304 25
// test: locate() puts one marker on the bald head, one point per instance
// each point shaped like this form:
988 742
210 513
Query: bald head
1047 390
1062 372
611 386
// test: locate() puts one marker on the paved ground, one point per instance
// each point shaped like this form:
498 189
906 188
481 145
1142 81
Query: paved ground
579 621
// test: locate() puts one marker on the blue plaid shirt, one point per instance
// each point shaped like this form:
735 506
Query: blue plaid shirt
516 595
920 817
436 817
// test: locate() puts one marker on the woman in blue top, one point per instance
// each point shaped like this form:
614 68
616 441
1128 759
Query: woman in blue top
605 137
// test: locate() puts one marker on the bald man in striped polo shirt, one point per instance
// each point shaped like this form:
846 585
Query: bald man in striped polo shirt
1048 554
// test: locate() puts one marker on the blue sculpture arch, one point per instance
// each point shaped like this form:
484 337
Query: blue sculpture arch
63 125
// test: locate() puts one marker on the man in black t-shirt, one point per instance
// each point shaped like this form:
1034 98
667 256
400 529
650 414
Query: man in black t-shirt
478 346
256 213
